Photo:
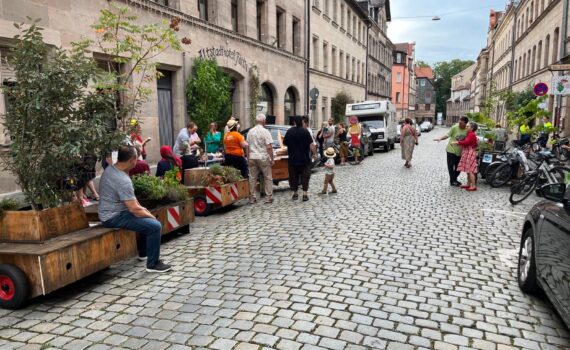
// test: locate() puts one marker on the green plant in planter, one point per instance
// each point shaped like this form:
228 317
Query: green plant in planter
149 188
8 204
52 118
175 192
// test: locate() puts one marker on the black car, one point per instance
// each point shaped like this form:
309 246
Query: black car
544 254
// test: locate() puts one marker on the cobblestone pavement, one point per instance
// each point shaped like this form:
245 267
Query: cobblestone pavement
396 260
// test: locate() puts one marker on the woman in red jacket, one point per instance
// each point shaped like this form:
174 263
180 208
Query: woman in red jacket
468 162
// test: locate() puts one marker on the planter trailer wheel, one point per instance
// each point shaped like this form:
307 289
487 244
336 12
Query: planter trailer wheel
14 287
526 274
201 206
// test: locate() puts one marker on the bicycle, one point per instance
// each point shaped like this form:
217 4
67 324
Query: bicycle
531 179
561 153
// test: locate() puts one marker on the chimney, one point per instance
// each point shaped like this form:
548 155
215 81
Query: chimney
492 19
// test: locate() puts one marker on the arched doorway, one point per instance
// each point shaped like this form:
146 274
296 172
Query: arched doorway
237 90
290 102
266 100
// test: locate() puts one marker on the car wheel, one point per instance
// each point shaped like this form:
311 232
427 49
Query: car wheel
393 145
370 149
527 264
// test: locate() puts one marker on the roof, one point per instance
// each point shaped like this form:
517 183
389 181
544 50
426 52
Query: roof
424 72
401 47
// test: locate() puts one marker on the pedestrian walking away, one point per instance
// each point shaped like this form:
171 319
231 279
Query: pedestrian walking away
408 140
456 133
468 162
119 208
300 147
234 145
260 159
329 171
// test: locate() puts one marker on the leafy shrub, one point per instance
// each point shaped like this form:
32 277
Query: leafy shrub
220 175
8 204
149 187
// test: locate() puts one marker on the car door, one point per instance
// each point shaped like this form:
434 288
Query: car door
552 244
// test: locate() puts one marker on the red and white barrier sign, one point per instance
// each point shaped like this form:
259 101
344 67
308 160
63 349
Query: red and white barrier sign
214 195
173 218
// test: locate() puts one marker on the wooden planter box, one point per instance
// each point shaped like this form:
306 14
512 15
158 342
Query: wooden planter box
280 169
194 177
41 225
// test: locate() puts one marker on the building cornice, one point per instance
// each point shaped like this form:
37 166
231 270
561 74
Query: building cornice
537 20
331 76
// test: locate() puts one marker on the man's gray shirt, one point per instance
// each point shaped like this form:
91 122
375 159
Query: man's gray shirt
115 187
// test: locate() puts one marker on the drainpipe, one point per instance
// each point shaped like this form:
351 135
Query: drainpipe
368 25
513 41
563 53
185 76
307 53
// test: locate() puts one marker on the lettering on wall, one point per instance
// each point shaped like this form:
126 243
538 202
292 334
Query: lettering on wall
232 55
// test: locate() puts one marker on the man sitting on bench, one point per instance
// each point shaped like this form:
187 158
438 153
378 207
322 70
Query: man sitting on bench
119 208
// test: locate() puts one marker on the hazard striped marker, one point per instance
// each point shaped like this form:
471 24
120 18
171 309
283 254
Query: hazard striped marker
173 218
234 191
214 195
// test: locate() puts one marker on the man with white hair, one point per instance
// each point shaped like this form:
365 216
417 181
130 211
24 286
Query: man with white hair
260 158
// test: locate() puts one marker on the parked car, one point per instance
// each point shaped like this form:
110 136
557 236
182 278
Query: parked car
426 126
418 129
544 253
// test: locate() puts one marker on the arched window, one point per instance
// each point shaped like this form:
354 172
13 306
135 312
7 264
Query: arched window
555 45
290 103
547 51
266 100
539 56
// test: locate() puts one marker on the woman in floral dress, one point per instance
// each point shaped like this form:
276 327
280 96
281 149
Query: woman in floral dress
468 162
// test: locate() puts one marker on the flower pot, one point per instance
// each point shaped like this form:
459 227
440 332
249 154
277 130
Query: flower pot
41 225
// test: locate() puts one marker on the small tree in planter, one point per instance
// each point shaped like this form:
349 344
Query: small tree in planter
52 117
208 94
338 106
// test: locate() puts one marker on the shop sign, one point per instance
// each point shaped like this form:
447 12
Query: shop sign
561 85
222 51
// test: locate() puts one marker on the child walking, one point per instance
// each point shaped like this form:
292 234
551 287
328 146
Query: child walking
329 170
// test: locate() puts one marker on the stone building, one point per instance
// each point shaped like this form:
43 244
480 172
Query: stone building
458 105
380 48
338 53
524 42
403 80
425 95
239 34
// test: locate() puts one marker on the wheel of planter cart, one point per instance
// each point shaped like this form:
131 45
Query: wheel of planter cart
201 206
14 287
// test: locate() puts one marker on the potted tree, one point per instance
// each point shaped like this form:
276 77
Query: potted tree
52 119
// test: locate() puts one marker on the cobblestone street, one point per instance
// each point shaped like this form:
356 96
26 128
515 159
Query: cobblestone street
397 260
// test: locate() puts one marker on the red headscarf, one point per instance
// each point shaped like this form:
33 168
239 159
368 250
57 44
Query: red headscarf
166 153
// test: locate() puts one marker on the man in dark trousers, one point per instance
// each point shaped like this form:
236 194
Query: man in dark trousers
456 133
119 208
300 147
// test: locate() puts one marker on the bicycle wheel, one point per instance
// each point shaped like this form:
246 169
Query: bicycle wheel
490 168
561 154
559 173
523 189
500 176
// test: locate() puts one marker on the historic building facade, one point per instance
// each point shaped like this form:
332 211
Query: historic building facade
425 95
380 48
404 80
458 105
242 35
338 53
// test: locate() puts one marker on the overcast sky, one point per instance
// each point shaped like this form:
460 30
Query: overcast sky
461 32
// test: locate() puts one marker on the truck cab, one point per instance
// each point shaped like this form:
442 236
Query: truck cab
380 116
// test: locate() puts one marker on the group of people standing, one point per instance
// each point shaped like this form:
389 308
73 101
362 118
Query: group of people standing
340 137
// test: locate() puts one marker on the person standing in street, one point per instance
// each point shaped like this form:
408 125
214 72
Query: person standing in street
343 143
501 138
456 133
408 140
545 132
329 134
468 162
234 145
119 208
321 139
188 134
213 139
524 130
329 171
260 158
355 132
300 146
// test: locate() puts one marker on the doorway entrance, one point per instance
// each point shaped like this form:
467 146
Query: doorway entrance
164 90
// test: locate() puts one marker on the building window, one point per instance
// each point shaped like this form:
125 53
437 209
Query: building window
342 15
203 9
555 45
266 99
280 28
324 107
428 106
161 2
261 20
290 103
341 66
296 36
397 97
326 7
347 71
315 53
325 57
398 58
334 68
398 77
335 10
354 26
348 17
422 82
547 51
234 15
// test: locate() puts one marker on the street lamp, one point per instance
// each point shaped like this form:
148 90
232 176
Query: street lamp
436 18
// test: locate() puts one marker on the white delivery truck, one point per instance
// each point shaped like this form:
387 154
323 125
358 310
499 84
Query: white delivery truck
380 117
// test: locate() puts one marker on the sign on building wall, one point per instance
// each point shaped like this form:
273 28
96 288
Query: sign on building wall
561 85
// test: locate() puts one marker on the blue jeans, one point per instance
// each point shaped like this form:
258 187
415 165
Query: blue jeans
150 228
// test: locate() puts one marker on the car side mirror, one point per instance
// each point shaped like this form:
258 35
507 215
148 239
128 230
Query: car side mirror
554 192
